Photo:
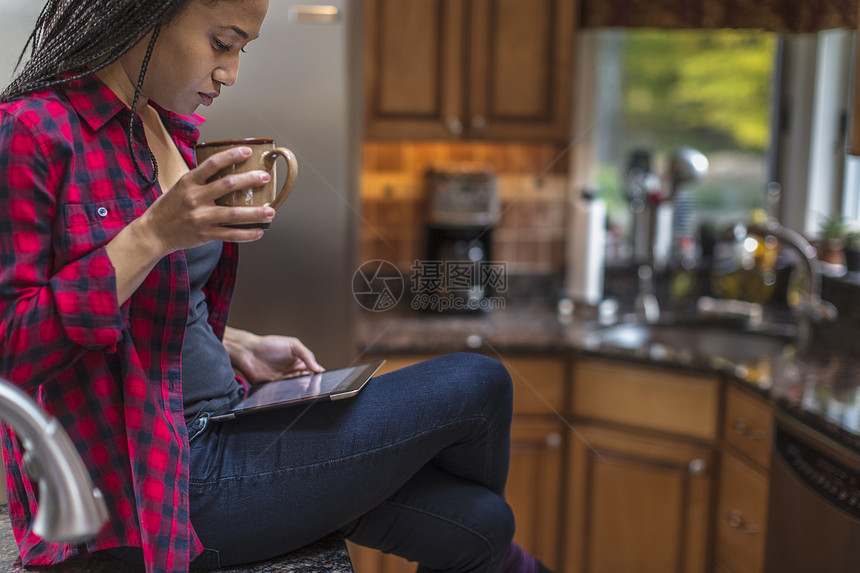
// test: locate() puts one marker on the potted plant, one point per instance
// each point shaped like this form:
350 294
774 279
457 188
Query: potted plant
831 246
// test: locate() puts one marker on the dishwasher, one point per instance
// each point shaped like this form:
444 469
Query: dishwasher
814 516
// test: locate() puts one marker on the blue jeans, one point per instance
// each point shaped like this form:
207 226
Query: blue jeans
414 465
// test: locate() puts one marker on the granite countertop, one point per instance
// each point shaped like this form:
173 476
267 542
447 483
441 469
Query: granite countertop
820 387
328 554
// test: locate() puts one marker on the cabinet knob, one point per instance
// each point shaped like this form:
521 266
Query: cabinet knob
735 520
740 427
454 125
697 466
479 122
553 441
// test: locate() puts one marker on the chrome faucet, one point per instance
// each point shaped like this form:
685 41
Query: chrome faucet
646 306
70 508
812 307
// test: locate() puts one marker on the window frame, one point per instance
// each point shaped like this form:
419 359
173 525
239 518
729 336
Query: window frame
811 140
809 128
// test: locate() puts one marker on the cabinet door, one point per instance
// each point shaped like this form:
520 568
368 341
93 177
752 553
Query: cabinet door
637 503
534 486
646 398
741 515
748 425
521 69
414 68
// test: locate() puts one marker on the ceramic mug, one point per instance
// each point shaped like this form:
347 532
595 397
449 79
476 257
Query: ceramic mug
264 155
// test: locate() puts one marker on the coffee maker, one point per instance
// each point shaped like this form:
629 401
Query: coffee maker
463 207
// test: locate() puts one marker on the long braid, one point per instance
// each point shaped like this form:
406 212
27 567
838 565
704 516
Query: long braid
130 132
75 38
80 37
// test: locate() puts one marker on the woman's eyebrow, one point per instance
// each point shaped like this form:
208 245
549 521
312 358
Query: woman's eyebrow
242 33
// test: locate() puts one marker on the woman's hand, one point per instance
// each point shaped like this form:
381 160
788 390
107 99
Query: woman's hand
265 358
186 217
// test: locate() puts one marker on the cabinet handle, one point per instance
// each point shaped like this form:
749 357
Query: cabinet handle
740 427
697 466
454 125
479 122
734 519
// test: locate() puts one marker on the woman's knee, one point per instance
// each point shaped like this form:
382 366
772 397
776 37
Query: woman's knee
458 384
489 380
479 373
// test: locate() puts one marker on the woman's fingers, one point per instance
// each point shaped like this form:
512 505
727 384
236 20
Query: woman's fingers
203 172
188 216
222 221
306 355
206 190
211 189
233 182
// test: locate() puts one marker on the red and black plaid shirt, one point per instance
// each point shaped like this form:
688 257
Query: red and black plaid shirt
110 374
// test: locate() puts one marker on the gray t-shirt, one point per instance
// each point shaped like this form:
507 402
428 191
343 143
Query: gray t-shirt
208 381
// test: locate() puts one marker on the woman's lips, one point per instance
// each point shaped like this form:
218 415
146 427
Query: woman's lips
207 99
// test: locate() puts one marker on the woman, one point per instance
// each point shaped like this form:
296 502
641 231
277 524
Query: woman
116 271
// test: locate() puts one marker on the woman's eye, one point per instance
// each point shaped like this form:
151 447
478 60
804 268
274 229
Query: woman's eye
220 46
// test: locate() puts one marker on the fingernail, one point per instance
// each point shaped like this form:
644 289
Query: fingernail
246 151
264 177
270 212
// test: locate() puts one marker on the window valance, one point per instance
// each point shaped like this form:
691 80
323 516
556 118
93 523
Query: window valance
785 16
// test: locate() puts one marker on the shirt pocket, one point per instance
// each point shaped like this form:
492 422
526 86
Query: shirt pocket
89 226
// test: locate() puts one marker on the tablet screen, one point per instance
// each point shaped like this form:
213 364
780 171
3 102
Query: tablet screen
328 384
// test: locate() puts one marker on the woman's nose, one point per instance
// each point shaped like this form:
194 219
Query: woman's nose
226 74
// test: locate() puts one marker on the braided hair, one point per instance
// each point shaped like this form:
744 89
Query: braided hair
74 38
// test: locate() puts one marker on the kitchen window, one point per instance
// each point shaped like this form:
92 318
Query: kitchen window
818 176
760 106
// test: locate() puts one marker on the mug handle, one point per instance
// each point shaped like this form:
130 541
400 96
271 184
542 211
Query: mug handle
269 158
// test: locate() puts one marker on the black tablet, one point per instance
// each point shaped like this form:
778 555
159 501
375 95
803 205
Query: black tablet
331 385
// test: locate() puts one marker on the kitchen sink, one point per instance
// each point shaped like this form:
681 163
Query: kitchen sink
691 342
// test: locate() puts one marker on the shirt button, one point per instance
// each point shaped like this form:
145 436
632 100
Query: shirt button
102 212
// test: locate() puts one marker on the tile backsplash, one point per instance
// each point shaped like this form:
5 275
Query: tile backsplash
532 183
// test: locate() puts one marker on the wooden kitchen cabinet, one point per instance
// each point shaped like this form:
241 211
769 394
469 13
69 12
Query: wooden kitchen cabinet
534 486
744 482
646 398
636 503
741 516
748 426
469 69
535 478
640 469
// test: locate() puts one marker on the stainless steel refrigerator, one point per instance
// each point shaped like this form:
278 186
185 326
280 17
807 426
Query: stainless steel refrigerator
300 84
